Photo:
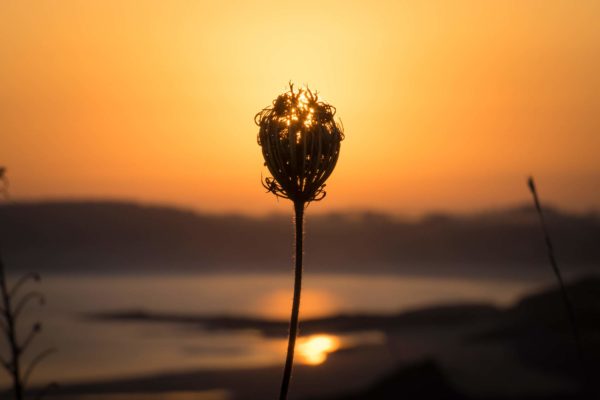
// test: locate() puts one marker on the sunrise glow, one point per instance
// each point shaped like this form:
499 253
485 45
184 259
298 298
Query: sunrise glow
315 303
449 105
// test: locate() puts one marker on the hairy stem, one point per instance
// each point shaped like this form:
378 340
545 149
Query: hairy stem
289 361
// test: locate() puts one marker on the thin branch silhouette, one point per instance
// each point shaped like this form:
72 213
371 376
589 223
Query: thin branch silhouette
29 297
32 275
35 362
9 316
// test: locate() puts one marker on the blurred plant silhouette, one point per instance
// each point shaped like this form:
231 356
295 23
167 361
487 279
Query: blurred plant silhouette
3 183
13 304
565 295
300 143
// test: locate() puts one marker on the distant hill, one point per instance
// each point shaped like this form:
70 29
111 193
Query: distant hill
128 237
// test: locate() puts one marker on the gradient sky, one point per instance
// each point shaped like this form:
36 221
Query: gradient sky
446 105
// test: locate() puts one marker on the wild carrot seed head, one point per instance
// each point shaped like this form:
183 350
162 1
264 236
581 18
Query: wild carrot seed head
300 143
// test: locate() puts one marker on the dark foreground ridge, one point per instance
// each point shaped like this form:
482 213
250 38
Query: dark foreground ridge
426 380
422 380
97 237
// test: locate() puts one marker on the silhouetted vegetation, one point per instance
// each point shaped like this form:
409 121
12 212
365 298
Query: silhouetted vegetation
300 142
13 304
553 263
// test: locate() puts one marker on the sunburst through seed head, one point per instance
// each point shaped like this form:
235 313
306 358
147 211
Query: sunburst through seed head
300 143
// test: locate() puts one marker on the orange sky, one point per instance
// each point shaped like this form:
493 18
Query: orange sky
446 105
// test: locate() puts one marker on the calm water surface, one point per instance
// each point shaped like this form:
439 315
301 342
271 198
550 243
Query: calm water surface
98 349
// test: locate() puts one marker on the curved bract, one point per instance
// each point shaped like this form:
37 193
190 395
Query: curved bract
300 142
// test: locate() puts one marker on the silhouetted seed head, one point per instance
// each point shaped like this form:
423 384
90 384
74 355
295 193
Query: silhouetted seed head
300 142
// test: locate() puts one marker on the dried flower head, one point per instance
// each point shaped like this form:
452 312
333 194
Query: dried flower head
300 142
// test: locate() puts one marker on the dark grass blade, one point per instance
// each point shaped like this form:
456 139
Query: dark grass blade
565 296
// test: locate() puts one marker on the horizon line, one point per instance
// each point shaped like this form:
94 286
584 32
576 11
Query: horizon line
513 206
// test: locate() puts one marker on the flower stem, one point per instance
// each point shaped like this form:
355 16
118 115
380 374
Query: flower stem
289 361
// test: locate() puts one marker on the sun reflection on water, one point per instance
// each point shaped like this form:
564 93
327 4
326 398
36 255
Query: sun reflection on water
313 350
